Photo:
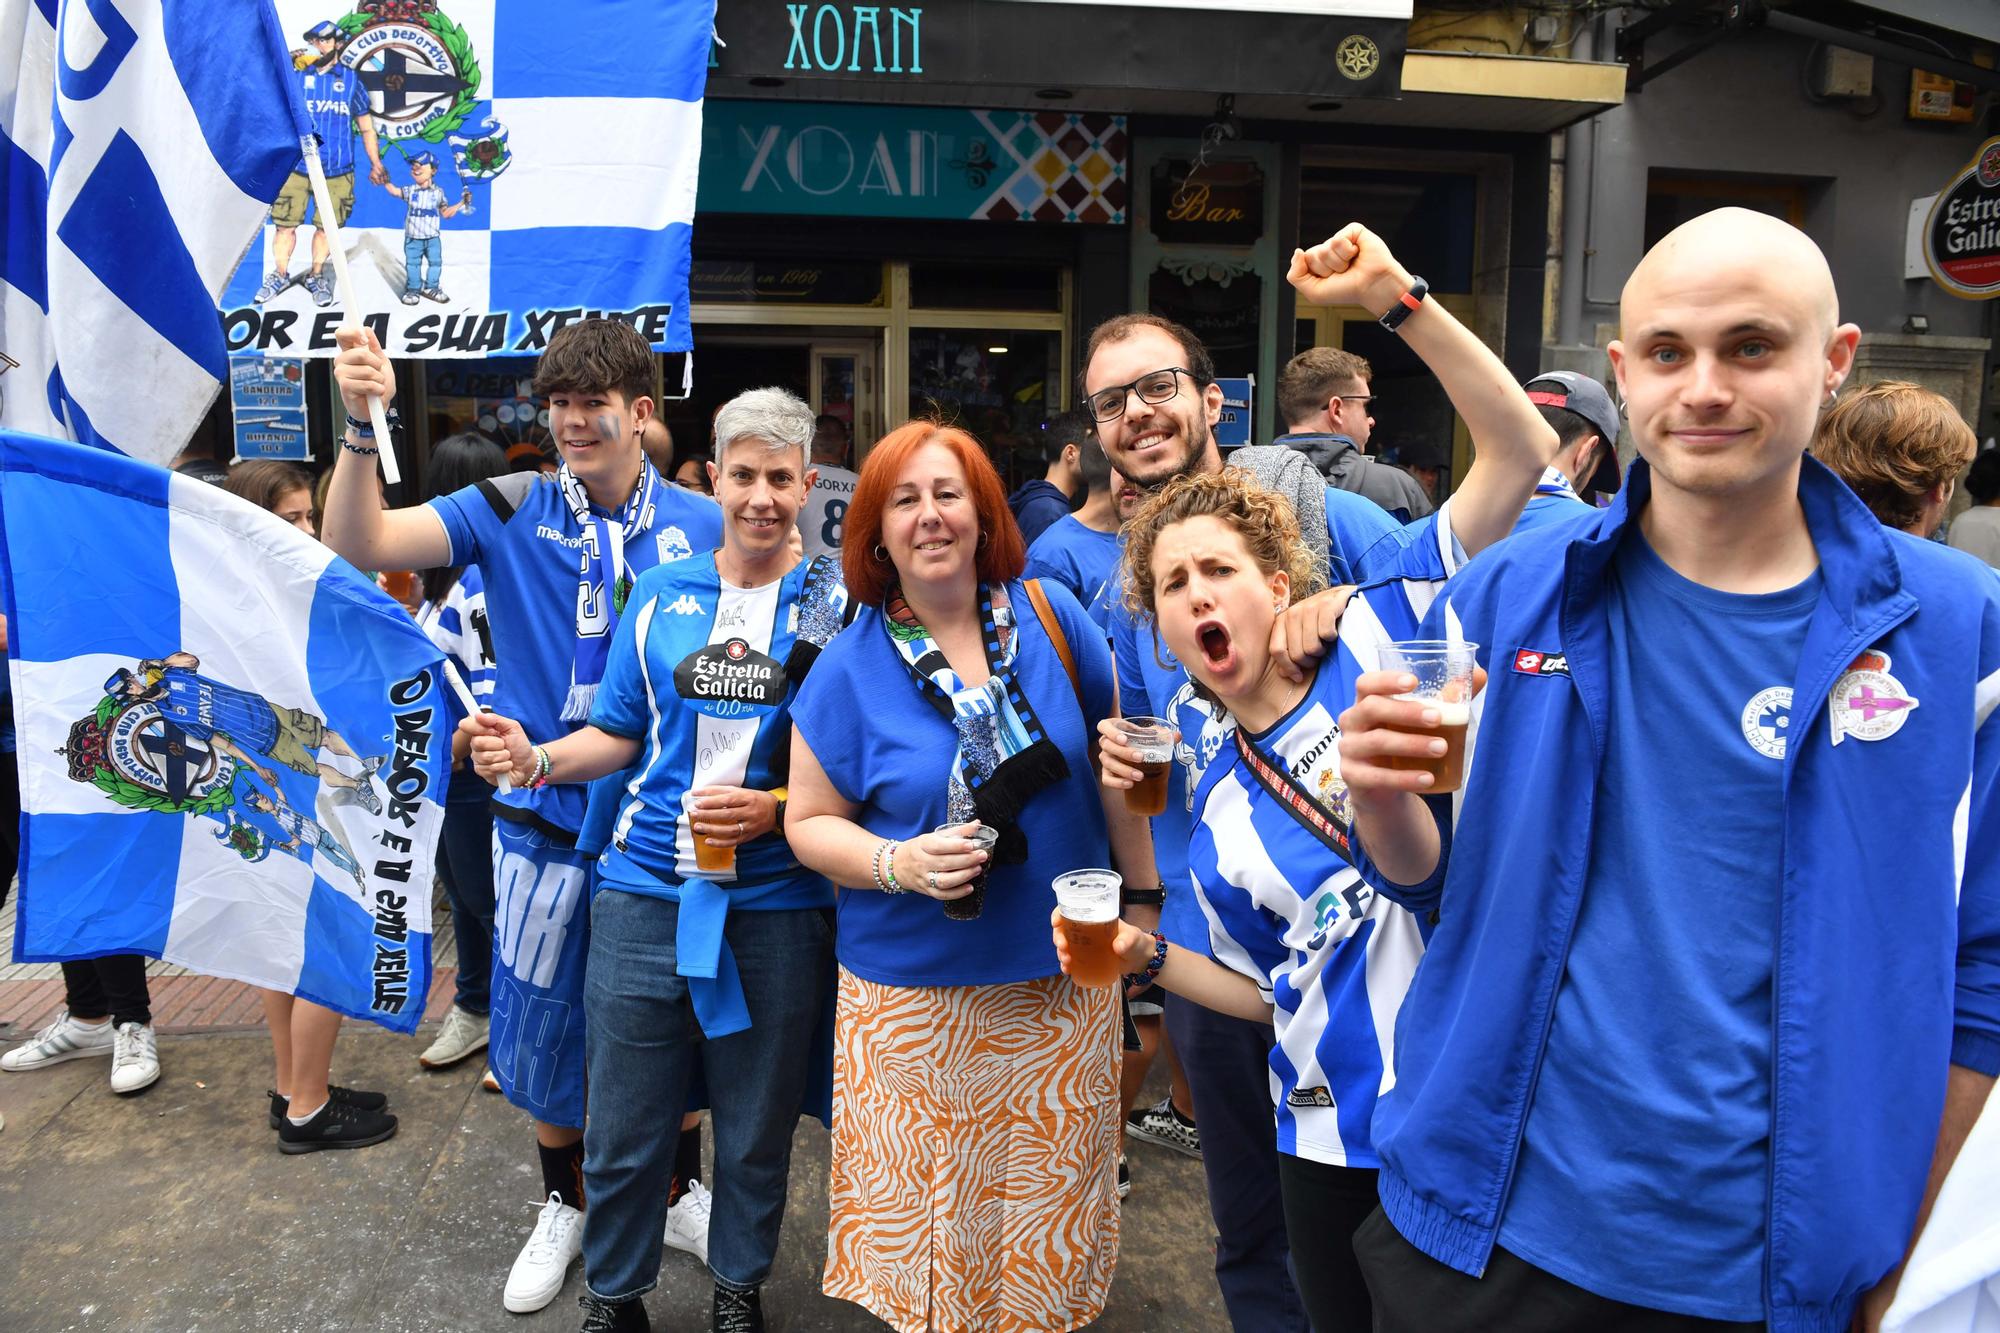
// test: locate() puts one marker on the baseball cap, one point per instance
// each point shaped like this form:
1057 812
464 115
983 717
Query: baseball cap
322 31
204 469
423 159
1584 396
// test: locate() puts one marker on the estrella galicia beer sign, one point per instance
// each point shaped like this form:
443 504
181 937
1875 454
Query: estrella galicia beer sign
1962 234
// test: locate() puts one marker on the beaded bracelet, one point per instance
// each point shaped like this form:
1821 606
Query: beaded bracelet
542 766
889 869
875 865
357 449
1159 960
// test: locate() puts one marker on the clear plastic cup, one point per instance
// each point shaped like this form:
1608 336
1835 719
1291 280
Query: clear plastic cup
1444 681
982 836
1153 739
1088 902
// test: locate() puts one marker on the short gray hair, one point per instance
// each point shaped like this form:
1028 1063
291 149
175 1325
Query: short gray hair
778 417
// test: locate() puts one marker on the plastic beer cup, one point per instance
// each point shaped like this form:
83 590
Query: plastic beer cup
1088 901
1153 739
982 836
1444 681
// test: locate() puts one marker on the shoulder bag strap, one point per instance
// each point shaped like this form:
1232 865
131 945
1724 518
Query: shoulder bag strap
1053 627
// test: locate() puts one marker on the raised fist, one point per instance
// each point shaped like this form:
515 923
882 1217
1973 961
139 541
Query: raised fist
1352 267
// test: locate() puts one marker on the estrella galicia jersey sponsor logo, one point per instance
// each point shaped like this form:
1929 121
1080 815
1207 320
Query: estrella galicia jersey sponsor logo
730 678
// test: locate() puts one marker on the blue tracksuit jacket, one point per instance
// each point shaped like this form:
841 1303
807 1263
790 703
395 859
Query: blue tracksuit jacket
1886 944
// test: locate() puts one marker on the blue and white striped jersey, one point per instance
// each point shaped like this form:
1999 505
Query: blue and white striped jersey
1332 956
457 625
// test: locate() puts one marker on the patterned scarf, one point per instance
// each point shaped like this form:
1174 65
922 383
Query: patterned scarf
1003 757
604 538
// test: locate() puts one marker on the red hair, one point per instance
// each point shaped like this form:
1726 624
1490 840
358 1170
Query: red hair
1002 555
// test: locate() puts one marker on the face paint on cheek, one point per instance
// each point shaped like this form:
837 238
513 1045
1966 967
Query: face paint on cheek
607 429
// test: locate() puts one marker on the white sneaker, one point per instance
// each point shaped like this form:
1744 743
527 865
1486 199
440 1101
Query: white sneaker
543 1264
687 1221
463 1034
65 1039
135 1058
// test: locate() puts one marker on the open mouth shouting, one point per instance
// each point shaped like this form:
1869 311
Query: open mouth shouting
1218 652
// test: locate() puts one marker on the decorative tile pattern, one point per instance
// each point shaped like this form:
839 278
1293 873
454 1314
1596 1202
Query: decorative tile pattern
1063 167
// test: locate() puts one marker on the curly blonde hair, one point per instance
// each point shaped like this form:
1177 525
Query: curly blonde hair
1263 519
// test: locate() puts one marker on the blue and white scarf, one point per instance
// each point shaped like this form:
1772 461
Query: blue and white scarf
1556 482
603 565
1004 757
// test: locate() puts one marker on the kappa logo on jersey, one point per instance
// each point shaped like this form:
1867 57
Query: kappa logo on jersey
674 545
683 605
1529 662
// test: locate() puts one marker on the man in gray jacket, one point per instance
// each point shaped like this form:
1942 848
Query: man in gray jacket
1324 399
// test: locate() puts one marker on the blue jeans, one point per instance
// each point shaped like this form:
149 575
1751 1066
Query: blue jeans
465 863
415 252
642 1048
1226 1061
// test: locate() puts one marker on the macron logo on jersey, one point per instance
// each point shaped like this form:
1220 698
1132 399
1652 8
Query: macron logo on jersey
1531 663
684 605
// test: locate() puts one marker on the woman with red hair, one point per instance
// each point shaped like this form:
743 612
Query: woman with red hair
975 1129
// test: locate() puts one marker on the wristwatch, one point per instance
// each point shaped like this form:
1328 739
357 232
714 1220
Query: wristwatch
1406 304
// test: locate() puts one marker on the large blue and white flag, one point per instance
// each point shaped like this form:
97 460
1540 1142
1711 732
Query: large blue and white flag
140 144
497 170
233 747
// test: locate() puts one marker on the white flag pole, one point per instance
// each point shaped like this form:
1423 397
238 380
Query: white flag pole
471 706
329 226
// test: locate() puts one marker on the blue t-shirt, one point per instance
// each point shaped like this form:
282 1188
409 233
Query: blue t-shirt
333 96
889 751
530 548
1645 1158
710 697
203 707
1081 559
1355 524
1332 956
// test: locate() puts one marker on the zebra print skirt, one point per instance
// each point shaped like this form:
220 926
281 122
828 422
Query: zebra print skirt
975 1154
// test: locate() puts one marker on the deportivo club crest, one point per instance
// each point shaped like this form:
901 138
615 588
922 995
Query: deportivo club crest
1867 702
417 65
1767 720
143 760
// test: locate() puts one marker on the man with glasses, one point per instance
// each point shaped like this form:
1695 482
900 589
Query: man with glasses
1324 398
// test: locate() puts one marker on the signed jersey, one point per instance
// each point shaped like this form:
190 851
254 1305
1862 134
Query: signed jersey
698 674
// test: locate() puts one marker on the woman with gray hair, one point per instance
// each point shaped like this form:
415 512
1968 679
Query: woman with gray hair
711 949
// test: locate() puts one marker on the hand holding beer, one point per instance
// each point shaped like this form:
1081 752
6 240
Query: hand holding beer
1395 740
498 748
1132 758
723 819
1087 926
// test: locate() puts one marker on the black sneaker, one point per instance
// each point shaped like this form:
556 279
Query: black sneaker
737 1311
1162 1124
1124 1177
602 1316
357 1098
337 1124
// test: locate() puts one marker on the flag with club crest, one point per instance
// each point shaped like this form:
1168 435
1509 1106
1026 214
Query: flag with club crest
233 746
140 145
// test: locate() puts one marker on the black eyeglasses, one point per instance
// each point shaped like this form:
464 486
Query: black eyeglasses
1153 387
1362 398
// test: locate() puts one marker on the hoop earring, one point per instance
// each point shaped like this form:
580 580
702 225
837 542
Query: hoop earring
982 541
881 553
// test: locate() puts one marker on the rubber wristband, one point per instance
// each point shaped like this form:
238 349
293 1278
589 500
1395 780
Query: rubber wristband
1153 897
1407 304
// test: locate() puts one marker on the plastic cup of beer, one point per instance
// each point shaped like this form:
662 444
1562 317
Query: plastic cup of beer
1153 739
708 856
1444 681
981 836
1088 901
